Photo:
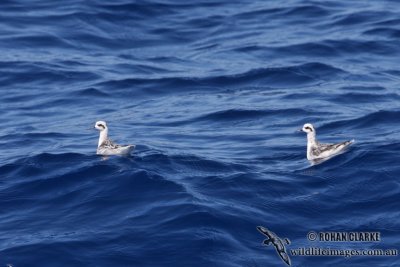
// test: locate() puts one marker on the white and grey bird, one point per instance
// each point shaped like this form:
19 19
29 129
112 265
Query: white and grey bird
318 151
107 147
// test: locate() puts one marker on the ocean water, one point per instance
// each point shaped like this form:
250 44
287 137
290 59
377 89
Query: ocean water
212 93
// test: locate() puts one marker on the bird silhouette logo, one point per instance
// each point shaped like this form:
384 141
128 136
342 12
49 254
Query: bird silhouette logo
277 242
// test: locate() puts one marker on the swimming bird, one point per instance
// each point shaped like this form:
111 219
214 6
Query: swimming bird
318 151
106 146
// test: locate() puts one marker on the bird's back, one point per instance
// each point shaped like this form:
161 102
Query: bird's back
114 149
326 150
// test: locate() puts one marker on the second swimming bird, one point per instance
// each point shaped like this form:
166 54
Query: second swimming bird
318 151
107 147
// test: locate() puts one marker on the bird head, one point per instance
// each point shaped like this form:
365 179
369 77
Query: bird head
308 128
100 125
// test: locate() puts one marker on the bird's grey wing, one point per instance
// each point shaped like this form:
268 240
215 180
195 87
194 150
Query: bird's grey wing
321 148
327 147
285 257
108 143
279 245
281 250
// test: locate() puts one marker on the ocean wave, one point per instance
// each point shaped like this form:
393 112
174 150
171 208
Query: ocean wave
306 74
373 119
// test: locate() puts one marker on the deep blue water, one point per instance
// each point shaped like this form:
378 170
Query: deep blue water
212 93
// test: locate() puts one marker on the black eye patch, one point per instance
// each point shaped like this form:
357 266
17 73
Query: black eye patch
308 128
101 125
